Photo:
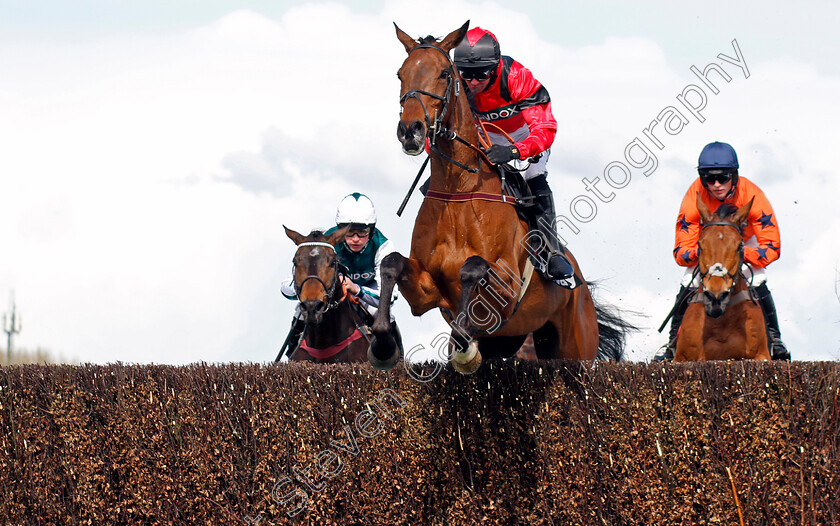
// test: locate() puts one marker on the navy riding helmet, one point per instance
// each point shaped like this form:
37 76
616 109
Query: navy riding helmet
718 157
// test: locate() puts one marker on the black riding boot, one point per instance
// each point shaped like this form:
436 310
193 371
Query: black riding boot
680 305
778 351
293 339
558 267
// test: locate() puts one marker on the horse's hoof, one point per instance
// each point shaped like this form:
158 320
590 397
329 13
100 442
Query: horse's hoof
383 365
469 361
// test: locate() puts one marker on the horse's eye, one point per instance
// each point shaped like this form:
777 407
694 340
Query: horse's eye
444 74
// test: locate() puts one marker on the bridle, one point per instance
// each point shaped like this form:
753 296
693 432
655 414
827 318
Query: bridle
717 269
435 126
332 302
328 289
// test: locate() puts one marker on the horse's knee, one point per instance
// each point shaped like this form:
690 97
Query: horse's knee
473 269
392 266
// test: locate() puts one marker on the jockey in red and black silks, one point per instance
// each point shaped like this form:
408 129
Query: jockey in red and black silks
505 93
520 105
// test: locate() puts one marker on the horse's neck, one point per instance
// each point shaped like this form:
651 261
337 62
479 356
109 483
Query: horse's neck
335 326
451 178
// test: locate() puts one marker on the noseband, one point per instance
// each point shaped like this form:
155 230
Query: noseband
329 290
435 126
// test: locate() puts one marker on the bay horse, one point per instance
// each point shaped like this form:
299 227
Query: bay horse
469 248
334 331
722 321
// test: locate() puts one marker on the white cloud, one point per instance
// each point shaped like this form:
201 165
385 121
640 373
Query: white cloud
150 173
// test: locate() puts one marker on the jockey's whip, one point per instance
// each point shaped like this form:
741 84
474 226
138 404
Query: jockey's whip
413 186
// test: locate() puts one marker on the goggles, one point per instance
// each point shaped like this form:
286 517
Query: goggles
719 177
356 229
357 233
476 74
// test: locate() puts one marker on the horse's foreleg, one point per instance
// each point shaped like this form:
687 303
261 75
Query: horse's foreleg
690 346
474 313
418 289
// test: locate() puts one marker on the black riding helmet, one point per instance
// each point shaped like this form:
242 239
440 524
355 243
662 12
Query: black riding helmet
478 52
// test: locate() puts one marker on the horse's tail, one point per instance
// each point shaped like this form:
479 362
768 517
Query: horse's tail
612 331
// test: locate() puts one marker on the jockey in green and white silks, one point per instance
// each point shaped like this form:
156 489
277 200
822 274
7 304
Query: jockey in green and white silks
363 266
361 251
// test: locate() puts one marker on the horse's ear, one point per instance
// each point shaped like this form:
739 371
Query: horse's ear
705 215
338 235
454 38
294 236
740 216
406 40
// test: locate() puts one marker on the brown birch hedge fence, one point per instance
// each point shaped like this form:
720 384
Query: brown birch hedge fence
517 443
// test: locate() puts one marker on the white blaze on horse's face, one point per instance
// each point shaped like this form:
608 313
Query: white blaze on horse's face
717 269
314 252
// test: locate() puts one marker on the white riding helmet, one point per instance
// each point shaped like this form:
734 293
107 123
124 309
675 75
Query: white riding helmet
355 208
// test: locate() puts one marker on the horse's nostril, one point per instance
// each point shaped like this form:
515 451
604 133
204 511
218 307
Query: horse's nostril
417 128
312 306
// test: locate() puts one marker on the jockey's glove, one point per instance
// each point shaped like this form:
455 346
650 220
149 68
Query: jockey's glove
498 154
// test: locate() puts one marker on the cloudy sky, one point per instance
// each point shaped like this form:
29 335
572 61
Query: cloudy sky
150 152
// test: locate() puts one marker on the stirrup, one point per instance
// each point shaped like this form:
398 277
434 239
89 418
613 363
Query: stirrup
571 283
567 280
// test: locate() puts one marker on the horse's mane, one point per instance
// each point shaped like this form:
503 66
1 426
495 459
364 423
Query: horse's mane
725 210
428 40
317 235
